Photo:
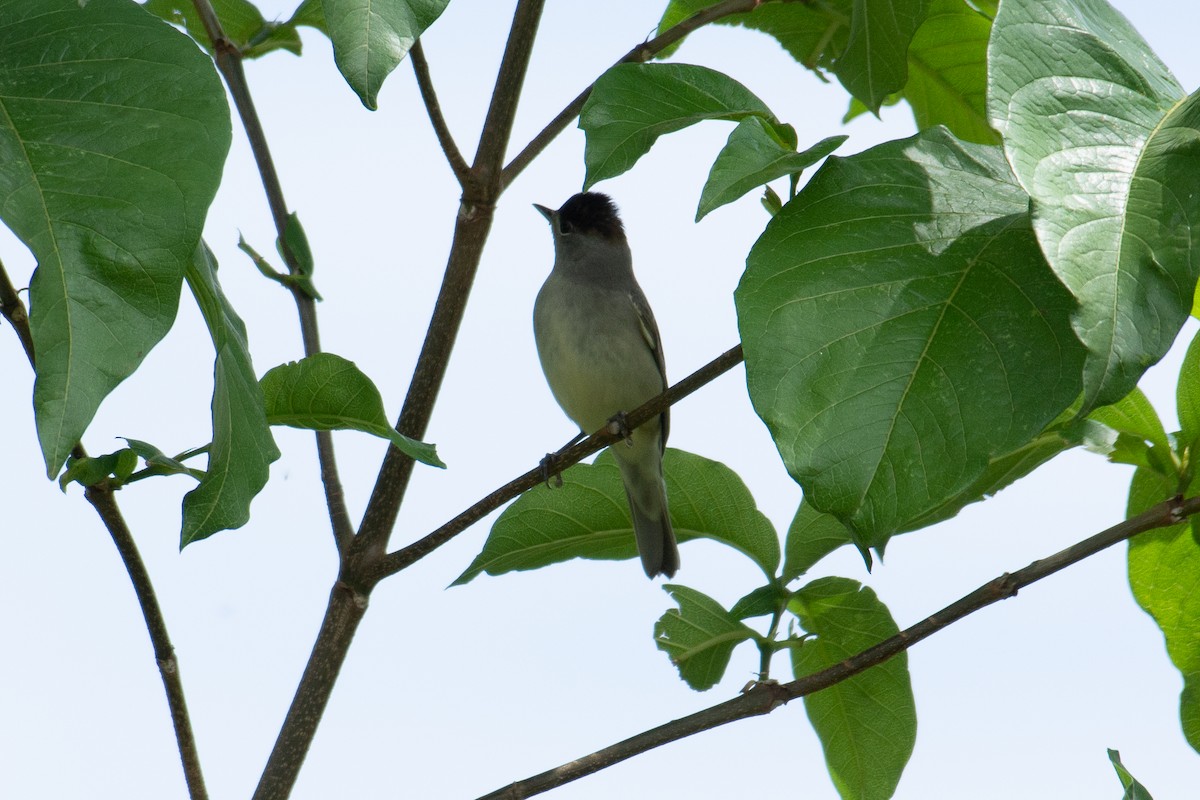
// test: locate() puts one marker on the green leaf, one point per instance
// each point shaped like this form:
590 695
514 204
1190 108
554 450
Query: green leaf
947 71
1164 573
1133 415
762 601
874 63
902 330
1096 133
1133 789
1187 398
311 14
371 37
811 536
324 392
867 724
242 449
1001 471
87 471
295 242
588 517
1130 432
92 128
699 636
241 21
812 33
161 463
631 105
754 155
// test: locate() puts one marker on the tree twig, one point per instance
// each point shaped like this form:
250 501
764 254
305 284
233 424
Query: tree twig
406 556
643 52
458 164
101 498
766 697
229 61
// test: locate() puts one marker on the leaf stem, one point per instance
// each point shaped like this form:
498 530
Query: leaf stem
458 164
229 62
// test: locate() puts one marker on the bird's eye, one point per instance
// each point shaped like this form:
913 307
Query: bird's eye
565 227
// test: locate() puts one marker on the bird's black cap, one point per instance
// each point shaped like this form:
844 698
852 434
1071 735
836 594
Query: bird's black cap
591 212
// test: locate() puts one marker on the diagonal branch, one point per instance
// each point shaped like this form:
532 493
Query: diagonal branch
458 164
229 61
766 697
643 52
101 498
406 556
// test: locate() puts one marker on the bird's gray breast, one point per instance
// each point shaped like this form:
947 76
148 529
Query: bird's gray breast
593 350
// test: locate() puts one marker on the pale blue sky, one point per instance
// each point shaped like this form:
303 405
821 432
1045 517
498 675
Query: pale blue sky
453 693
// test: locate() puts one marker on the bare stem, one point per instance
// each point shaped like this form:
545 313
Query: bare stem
458 164
229 62
764 698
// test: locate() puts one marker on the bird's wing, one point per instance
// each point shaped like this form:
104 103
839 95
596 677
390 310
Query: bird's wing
650 334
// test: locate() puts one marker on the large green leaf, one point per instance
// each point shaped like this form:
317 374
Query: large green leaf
867 724
242 448
874 63
113 133
241 21
631 105
1095 129
324 392
371 37
588 517
1164 573
699 636
902 330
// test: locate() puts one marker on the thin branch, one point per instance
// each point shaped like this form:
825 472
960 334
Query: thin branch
407 556
229 61
477 208
13 310
764 698
101 498
458 164
643 52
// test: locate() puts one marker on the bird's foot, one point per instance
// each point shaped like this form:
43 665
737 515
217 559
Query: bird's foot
547 466
619 426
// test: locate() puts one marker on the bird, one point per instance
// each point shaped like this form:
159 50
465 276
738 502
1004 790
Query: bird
602 355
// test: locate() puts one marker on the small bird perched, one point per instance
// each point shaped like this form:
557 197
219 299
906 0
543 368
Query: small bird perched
602 355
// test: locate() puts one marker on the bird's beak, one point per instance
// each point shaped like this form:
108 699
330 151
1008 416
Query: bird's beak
549 213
